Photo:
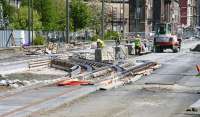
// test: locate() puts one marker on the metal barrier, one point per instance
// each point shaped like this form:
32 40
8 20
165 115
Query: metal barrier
5 36
11 37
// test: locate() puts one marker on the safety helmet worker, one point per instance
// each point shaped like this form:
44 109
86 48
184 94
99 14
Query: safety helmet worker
138 35
101 43
98 40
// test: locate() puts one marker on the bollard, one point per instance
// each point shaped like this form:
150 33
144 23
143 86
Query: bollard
198 69
98 55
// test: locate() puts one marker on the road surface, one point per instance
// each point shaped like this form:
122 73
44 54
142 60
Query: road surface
168 92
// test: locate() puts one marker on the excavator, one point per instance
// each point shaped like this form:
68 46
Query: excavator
164 39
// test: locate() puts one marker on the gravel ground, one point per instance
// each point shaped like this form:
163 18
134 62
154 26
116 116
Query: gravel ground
29 78
128 101
4 88
38 74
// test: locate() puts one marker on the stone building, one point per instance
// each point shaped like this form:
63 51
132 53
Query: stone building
115 22
183 5
140 12
145 14
166 11
189 12
198 12
192 13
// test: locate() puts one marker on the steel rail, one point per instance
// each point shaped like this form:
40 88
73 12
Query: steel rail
108 72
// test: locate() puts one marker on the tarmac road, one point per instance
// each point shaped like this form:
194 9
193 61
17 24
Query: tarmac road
158 95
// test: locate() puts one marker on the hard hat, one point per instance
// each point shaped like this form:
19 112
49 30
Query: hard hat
138 35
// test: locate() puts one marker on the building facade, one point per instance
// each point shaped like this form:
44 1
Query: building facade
183 7
198 12
140 15
145 14
189 13
192 13
119 16
166 11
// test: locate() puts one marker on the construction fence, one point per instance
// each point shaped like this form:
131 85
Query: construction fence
10 38
4 38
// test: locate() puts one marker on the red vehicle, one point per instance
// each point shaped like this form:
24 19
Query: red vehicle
164 39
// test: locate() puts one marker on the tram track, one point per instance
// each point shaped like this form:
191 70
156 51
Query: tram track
51 94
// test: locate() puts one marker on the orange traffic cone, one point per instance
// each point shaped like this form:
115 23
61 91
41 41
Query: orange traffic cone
198 68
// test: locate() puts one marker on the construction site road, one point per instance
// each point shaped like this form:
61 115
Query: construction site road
168 92
31 99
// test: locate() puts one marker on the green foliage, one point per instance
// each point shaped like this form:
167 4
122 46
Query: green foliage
39 40
95 37
8 10
81 14
47 11
20 19
48 14
24 3
60 23
51 14
110 35
95 21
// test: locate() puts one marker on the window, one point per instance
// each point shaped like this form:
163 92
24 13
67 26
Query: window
162 29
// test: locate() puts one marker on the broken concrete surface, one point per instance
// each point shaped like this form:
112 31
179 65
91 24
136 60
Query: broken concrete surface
151 101
29 78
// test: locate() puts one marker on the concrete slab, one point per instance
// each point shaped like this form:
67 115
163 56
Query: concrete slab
125 102
190 78
13 68
6 108
54 102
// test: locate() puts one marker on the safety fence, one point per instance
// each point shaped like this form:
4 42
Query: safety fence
10 38
5 36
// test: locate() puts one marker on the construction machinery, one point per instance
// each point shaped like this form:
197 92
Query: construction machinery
165 39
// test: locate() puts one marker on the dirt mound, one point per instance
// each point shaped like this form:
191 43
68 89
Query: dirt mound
196 49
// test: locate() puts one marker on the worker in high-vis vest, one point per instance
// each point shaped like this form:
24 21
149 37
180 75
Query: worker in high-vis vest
138 45
100 43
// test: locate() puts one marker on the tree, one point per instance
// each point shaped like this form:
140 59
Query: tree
111 35
61 15
8 10
46 9
95 24
53 14
81 14
20 19
48 14
96 6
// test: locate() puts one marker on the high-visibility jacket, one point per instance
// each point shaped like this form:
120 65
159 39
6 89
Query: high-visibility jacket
137 42
101 43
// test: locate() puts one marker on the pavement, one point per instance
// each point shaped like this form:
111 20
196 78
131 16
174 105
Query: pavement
168 92
23 103
46 97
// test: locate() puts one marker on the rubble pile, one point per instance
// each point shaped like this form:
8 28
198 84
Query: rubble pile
22 83
196 49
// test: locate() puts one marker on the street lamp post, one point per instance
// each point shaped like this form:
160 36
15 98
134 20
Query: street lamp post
29 21
102 20
67 21
123 19
32 29
112 18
